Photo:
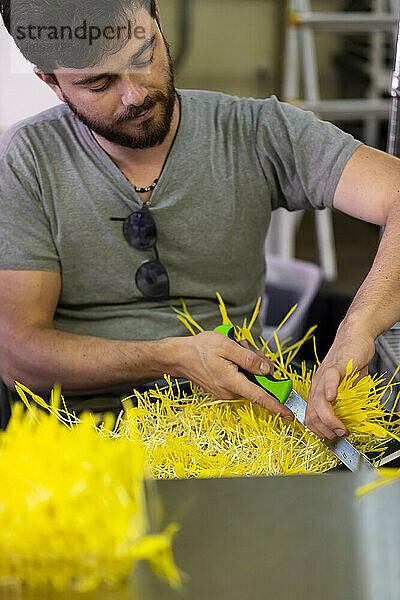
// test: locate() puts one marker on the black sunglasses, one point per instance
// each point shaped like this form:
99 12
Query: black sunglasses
140 232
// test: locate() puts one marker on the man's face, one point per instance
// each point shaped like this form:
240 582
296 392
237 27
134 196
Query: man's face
109 105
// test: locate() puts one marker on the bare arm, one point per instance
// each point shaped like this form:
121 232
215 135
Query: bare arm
37 355
369 190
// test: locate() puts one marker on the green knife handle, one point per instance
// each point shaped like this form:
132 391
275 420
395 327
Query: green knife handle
279 389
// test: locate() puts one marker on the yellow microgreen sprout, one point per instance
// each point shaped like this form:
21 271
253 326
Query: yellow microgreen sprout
72 505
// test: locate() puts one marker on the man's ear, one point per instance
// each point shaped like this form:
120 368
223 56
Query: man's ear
48 80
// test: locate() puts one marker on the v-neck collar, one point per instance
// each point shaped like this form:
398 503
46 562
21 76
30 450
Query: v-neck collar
113 168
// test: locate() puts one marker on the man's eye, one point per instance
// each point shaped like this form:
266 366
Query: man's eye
138 66
102 88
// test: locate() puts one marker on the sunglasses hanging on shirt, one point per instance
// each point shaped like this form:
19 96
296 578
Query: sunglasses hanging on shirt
140 232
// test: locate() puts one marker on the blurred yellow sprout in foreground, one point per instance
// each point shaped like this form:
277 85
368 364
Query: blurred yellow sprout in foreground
72 503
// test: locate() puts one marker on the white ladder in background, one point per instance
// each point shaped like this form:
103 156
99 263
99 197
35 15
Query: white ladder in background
301 67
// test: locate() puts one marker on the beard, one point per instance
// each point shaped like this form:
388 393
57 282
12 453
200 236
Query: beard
151 132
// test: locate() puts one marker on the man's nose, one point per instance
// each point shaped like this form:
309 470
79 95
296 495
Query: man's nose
132 92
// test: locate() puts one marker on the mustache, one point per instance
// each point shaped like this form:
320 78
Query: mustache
137 111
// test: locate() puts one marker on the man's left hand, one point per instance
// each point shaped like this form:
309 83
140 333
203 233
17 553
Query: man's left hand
351 343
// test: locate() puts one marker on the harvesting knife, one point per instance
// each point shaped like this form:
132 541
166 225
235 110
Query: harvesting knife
283 391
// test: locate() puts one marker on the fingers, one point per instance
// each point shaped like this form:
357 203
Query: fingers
318 425
325 417
256 394
251 391
332 381
320 416
259 353
254 362
216 368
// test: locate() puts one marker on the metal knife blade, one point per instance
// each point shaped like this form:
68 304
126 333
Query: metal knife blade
345 452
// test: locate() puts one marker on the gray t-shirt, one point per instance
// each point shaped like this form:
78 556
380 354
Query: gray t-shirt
233 161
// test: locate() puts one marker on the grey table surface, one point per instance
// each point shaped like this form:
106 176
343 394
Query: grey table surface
278 538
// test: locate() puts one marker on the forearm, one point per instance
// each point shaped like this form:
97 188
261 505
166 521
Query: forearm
376 307
41 357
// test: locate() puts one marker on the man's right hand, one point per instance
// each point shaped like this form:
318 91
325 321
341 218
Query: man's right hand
212 361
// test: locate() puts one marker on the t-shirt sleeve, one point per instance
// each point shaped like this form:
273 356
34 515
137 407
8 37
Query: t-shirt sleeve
305 155
26 242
